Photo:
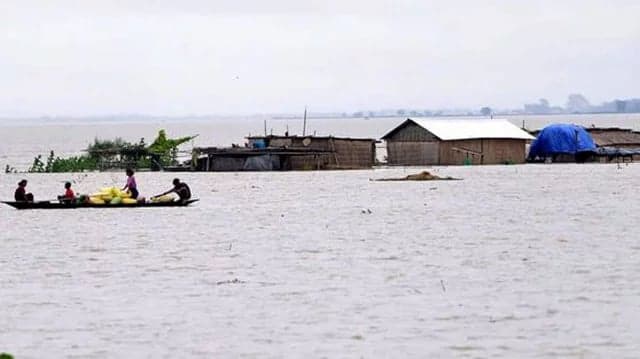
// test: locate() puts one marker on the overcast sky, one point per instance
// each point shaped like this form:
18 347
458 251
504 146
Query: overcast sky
258 56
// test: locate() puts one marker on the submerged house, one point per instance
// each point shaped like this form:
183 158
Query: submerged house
574 143
613 143
562 143
456 142
269 153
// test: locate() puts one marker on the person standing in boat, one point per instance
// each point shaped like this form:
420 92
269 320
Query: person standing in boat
21 194
131 184
180 188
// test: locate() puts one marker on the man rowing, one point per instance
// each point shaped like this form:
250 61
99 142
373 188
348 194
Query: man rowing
179 188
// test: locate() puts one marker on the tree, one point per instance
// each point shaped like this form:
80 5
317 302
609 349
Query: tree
485 111
167 148
578 103
621 106
544 102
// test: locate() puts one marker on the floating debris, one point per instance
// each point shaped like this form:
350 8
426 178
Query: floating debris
232 281
422 176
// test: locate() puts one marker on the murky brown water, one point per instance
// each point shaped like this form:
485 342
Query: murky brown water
512 262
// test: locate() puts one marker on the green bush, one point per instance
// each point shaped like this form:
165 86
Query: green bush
116 153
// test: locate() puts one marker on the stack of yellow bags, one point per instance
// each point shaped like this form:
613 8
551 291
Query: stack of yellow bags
112 195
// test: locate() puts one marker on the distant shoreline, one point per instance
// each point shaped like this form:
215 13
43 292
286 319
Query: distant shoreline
328 116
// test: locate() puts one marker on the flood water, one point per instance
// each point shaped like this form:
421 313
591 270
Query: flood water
538 261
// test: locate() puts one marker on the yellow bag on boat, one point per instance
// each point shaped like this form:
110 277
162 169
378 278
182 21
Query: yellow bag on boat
129 201
165 198
96 200
106 197
124 194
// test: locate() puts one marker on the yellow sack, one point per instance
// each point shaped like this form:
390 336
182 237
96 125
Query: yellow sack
165 198
124 194
106 197
96 200
129 201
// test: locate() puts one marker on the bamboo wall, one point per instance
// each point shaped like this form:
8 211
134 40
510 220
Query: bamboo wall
413 153
349 154
482 151
412 145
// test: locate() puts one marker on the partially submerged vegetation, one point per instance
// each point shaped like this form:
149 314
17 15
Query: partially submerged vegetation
113 154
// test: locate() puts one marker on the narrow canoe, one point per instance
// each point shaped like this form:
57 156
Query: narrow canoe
59 205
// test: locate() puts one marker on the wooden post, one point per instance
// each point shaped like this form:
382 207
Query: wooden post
333 148
304 122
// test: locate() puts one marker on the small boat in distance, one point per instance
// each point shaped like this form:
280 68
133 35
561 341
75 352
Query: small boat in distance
63 205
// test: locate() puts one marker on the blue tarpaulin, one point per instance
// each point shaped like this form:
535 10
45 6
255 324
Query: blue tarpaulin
561 139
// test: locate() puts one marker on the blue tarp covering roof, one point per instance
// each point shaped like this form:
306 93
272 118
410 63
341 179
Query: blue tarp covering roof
561 139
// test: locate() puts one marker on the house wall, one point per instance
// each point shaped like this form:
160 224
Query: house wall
412 145
349 154
352 154
226 163
310 162
404 153
482 151
488 151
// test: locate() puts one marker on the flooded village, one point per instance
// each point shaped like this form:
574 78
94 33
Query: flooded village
410 142
319 179
423 142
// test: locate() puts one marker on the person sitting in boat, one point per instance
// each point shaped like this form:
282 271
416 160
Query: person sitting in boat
180 188
21 194
131 184
69 195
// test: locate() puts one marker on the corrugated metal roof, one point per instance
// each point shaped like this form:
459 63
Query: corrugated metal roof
458 129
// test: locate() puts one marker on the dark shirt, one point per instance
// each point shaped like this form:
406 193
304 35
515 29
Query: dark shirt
20 195
182 190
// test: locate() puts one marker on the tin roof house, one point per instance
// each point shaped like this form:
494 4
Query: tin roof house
456 142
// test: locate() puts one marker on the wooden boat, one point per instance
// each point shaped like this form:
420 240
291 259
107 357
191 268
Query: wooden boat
63 205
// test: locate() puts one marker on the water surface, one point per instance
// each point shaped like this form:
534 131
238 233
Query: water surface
539 261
